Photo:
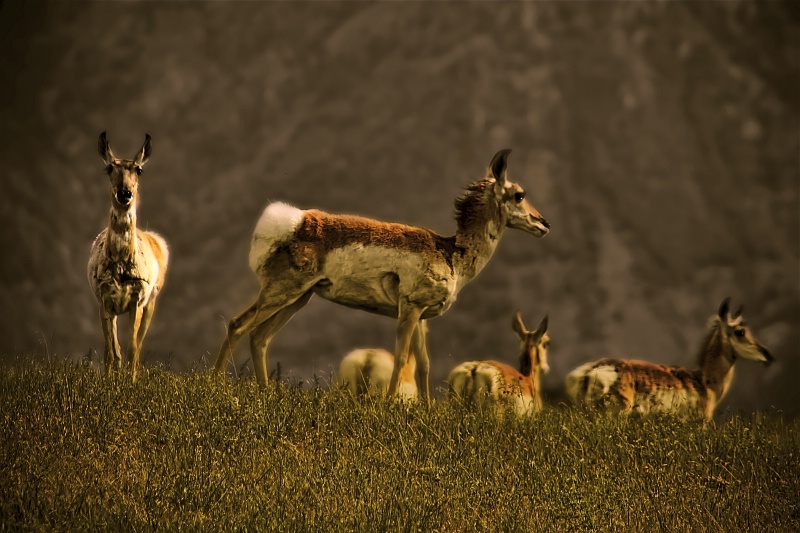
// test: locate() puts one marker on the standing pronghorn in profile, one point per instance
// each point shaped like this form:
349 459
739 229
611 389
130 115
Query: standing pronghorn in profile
368 371
479 382
644 387
394 270
127 265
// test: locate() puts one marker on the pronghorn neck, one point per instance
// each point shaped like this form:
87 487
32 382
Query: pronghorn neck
121 241
533 373
716 360
480 226
526 363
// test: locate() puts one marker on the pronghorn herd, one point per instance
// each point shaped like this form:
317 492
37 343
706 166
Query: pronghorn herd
404 272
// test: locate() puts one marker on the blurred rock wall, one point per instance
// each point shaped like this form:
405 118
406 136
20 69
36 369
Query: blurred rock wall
661 140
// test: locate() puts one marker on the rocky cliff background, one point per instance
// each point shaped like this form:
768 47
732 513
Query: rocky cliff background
661 140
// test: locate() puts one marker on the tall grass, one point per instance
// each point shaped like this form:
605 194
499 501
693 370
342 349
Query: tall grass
81 451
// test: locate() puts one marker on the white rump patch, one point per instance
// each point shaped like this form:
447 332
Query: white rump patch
605 376
600 378
278 222
373 367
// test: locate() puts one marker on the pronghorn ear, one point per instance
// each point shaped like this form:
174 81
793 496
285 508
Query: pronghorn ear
104 149
738 312
144 153
724 309
518 325
542 329
498 168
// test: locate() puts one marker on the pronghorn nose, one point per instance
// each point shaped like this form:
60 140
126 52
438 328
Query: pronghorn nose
544 222
124 196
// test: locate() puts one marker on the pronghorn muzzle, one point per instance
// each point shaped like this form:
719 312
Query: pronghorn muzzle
768 357
124 196
538 226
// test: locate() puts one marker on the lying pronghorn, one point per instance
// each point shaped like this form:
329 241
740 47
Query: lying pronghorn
369 370
395 270
476 382
645 387
127 265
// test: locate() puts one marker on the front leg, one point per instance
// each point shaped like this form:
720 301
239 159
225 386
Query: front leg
419 347
147 317
112 352
134 347
407 322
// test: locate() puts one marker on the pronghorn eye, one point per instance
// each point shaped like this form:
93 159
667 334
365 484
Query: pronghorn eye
739 333
518 197
138 171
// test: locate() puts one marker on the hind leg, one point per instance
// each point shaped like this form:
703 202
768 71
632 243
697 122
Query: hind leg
262 335
238 326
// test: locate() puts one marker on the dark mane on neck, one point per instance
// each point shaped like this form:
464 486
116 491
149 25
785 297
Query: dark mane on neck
472 203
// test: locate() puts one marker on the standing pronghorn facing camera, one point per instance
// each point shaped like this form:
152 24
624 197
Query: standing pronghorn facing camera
127 265
644 387
399 271
477 382
368 371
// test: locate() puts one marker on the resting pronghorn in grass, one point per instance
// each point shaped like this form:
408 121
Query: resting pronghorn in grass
127 265
477 382
645 387
400 271
368 371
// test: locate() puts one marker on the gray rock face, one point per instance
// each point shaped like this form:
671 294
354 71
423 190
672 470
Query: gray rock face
660 140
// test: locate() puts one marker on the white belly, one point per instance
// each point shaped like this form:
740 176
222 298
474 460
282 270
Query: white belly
373 278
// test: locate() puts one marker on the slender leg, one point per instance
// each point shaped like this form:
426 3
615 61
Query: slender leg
263 333
134 348
271 300
147 317
419 348
112 353
238 326
407 322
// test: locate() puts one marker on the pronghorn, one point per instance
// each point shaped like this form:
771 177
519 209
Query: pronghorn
390 269
127 265
477 382
368 371
638 386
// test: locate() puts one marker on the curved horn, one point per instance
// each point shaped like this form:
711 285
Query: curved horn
542 328
724 308
104 149
518 326
144 153
499 164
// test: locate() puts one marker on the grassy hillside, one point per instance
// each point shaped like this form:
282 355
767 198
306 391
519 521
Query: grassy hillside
658 138
82 452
